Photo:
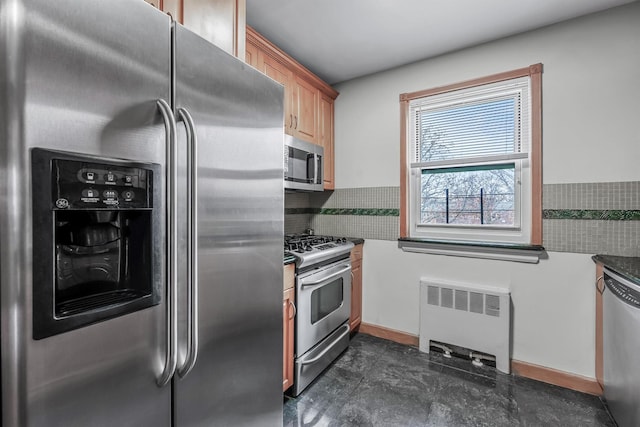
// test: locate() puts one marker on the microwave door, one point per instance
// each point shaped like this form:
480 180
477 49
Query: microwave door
303 165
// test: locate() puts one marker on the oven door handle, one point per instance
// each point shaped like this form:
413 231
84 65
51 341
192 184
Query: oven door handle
326 275
328 349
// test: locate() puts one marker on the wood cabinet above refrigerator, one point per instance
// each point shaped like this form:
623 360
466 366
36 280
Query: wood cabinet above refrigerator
222 22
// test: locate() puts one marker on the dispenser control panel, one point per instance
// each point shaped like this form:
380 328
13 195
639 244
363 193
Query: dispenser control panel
88 185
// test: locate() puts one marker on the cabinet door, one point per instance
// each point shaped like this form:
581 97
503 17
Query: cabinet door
280 73
251 55
599 338
356 295
305 110
356 287
155 3
222 22
326 140
172 8
288 315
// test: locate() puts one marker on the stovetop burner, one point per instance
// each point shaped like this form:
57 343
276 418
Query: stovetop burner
301 243
310 249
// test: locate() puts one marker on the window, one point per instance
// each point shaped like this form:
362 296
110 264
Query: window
471 161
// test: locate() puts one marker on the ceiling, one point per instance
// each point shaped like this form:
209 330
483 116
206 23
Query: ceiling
343 39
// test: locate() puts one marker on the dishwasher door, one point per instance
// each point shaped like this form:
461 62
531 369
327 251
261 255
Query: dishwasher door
621 335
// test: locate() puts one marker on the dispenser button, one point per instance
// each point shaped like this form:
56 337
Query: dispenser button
128 179
127 195
110 178
89 193
110 194
90 176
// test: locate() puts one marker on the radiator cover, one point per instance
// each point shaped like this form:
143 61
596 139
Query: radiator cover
476 317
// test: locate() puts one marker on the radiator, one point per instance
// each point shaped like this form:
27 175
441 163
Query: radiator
475 317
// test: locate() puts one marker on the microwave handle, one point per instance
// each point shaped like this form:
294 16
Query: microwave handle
312 168
315 168
316 159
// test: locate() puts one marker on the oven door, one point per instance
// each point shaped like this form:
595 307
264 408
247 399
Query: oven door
324 303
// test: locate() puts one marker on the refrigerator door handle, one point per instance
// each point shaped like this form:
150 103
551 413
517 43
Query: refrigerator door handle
171 350
192 242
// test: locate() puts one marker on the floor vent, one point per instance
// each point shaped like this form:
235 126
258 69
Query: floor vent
476 317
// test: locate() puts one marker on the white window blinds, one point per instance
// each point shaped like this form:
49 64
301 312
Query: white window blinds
481 124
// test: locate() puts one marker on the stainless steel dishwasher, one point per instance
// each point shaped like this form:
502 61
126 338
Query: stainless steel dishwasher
621 335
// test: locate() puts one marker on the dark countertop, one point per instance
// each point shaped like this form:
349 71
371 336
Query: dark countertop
625 266
356 240
288 258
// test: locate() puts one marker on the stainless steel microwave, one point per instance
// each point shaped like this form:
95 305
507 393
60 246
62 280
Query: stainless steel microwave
303 165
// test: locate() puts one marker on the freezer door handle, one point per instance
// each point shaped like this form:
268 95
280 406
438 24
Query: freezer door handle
171 349
192 243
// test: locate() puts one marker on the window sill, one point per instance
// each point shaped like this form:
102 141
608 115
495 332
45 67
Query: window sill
497 251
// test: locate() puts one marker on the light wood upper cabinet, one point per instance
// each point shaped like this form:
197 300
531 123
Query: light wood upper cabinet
222 22
305 110
325 135
308 99
280 73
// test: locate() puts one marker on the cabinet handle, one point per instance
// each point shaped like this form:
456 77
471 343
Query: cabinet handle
598 280
294 309
290 120
296 117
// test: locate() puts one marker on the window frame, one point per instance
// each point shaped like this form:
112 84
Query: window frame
534 213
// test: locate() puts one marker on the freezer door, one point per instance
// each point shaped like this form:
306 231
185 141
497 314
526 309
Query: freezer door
237 113
81 77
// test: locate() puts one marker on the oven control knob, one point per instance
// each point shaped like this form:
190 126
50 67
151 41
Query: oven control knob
308 248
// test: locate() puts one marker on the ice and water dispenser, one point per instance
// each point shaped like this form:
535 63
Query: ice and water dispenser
96 238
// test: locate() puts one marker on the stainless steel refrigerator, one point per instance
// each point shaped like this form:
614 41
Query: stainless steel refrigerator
141 222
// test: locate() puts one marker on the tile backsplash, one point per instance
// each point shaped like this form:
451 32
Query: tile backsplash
594 218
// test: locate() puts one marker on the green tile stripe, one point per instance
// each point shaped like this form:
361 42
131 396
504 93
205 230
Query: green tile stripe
602 215
613 215
360 212
342 211
587 214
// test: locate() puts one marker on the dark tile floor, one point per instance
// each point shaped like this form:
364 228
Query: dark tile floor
381 383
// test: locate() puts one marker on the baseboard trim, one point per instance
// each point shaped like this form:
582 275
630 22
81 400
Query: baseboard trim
389 334
522 369
555 377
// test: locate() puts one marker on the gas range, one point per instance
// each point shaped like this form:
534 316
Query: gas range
310 250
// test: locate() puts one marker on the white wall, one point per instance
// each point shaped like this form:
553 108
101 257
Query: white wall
591 90
554 301
591 133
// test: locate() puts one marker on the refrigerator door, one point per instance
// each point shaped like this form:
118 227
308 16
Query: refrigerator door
81 77
237 376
